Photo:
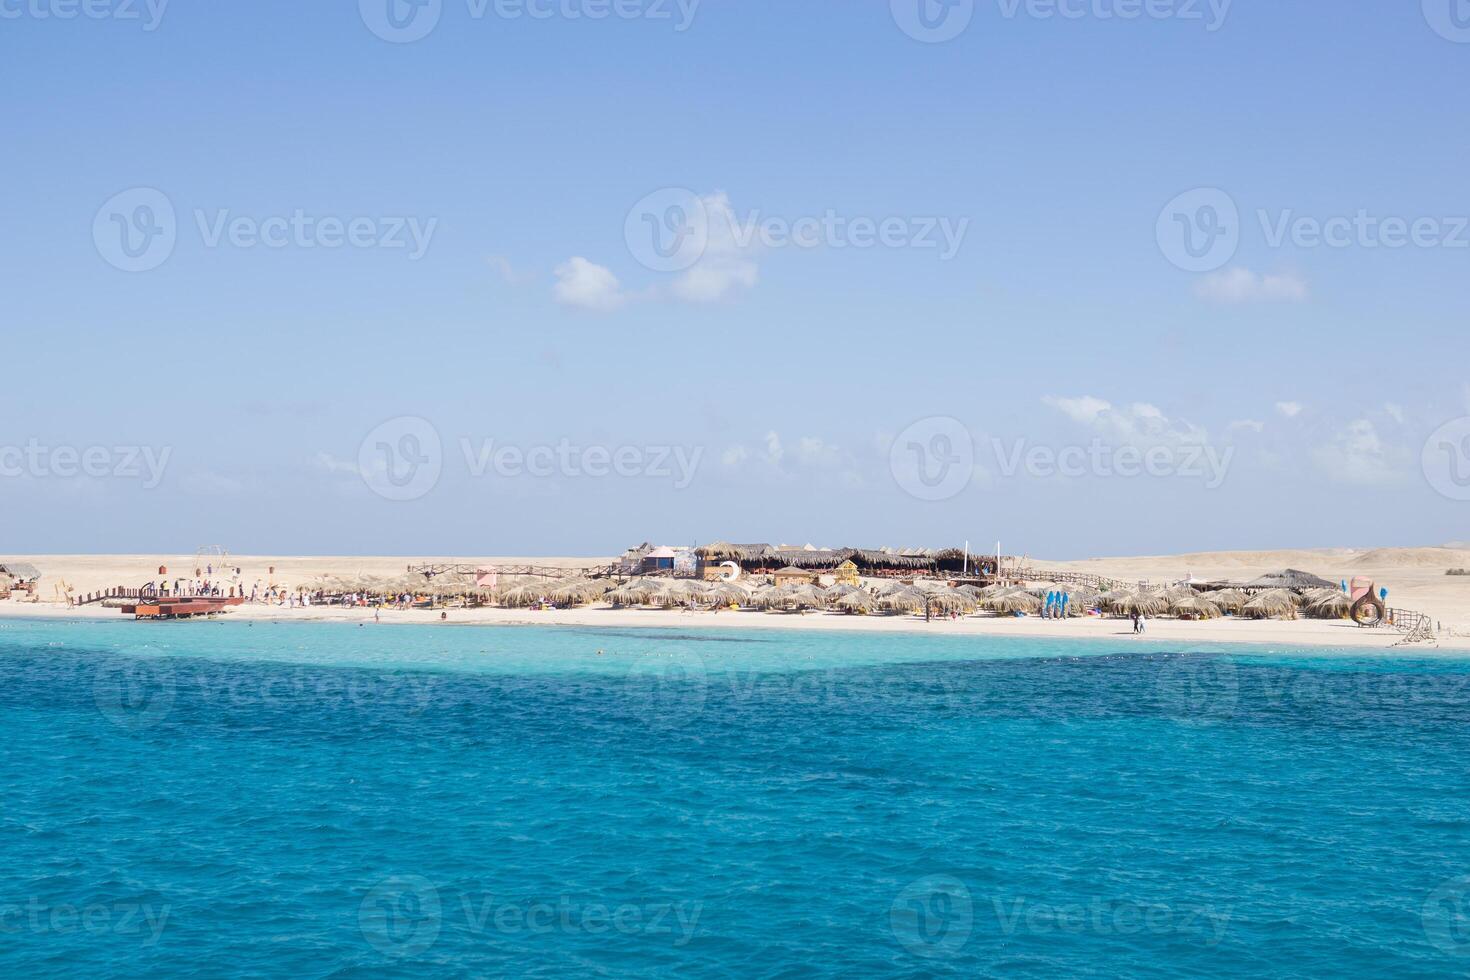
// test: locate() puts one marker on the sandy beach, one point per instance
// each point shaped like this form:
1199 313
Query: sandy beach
1415 578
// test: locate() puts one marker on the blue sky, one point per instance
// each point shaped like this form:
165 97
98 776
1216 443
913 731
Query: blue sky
258 396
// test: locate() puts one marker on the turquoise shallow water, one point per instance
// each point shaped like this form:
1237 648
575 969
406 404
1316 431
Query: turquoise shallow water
206 799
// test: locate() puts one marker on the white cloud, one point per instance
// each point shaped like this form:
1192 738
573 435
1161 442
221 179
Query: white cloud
1356 454
1235 286
1395 412
728 263
1289 409
1138 424
588 286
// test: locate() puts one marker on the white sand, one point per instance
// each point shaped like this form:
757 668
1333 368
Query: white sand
1414 576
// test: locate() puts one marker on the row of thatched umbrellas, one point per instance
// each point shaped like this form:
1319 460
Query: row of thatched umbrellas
885 597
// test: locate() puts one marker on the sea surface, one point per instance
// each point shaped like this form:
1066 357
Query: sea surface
325 800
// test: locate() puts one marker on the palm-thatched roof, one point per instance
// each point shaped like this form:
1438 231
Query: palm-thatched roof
1227 600
903 601
1194 607
1272 604
1290 578
1139 604
857 602
1333 605
1011 601
24 571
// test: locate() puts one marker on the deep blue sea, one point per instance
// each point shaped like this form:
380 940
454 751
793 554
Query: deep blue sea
323 800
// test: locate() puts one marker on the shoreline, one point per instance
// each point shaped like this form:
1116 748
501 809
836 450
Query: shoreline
1331 634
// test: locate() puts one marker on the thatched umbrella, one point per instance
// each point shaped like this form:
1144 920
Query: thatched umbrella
522 596
724 594
1228 600
1272 604
858 602
952 601
1334 605
1012 602
1176 592
1194 607
573 591
903 601
1139 604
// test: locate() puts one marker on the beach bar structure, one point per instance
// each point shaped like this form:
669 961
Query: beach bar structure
765 559
18 576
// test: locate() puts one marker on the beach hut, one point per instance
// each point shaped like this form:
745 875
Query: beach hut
846 573
1290 578
658 560
791 575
